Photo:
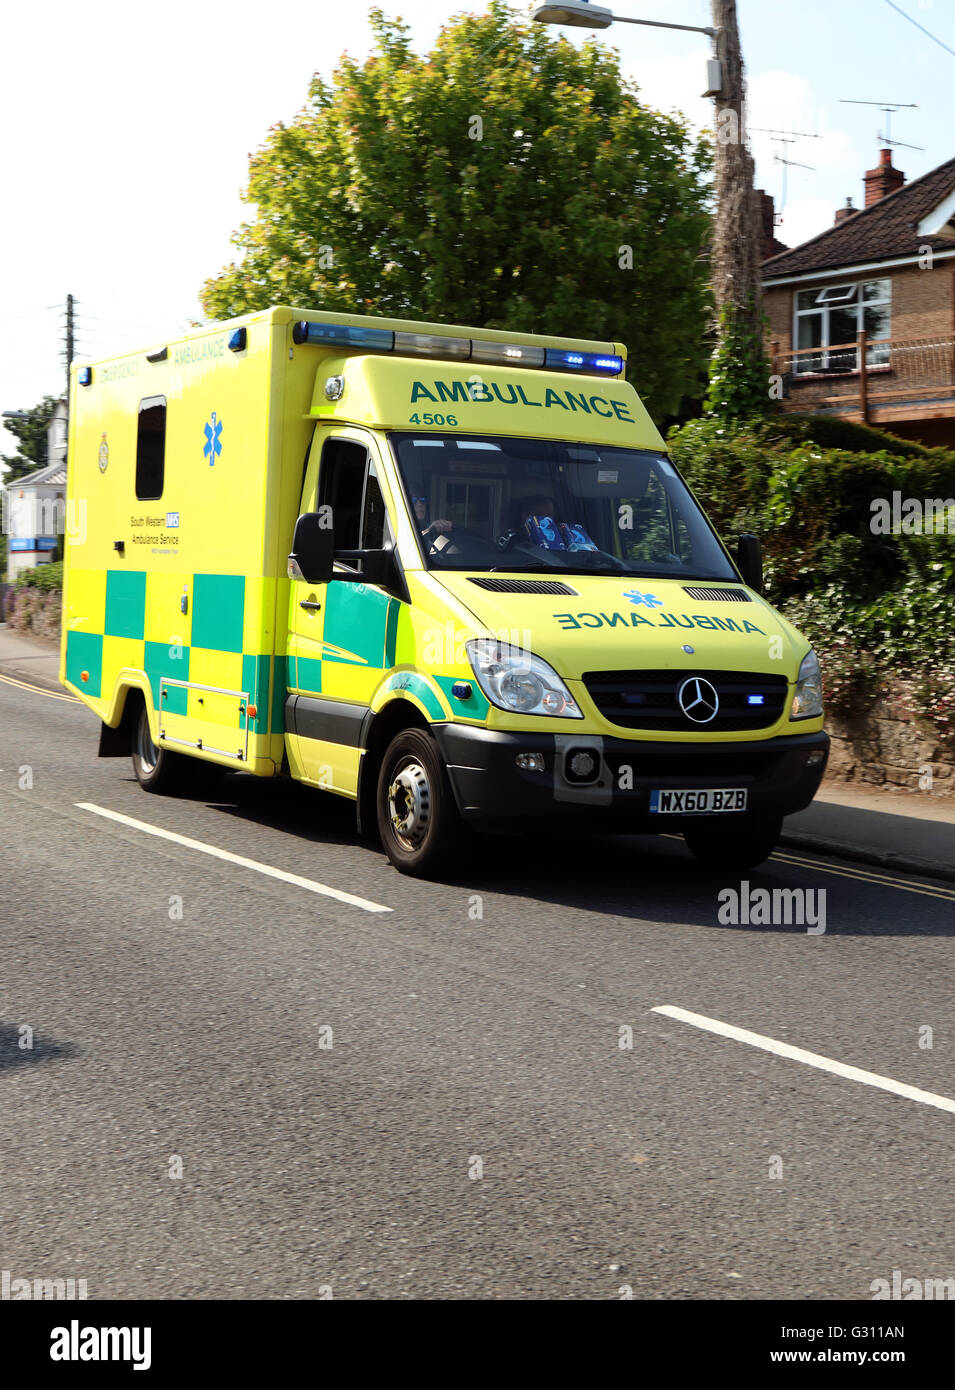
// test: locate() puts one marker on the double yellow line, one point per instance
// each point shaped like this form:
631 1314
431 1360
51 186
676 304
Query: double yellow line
869 876
39 690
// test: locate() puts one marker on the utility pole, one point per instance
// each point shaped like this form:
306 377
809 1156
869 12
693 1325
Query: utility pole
736 229
69 347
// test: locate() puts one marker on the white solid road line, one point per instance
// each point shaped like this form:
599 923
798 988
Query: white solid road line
295 879
810 1059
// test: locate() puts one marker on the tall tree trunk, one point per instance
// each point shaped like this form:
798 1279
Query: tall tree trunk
736 230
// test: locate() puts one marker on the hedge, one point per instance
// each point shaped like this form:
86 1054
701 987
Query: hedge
875 606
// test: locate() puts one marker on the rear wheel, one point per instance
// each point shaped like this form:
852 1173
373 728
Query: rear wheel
734 844
420 828
159 770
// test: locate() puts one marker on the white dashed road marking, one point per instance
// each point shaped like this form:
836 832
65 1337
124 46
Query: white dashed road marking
296 880
809 1059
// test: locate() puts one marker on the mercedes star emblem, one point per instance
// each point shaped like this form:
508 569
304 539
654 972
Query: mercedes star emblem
698 700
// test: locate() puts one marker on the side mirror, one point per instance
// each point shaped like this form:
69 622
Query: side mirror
313 550
749 560
378 567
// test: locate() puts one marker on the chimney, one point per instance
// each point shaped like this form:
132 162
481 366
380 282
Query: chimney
883 179
843 213
766 212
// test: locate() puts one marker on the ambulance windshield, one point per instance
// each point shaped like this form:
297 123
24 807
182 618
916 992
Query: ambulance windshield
497 503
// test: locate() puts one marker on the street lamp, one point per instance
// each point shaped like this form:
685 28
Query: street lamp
581 14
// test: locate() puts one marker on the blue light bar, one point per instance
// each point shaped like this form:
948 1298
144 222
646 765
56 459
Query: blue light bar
755 699
238 340
343 335
439 345
85 376
562 359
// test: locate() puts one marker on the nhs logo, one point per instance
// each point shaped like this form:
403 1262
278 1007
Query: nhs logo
172 521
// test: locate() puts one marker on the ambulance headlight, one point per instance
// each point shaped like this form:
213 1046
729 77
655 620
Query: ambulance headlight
517 681
807 697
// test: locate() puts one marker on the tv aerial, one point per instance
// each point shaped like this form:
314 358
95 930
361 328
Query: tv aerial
887 107
786 137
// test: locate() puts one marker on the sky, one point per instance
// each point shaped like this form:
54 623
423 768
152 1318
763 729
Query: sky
125 132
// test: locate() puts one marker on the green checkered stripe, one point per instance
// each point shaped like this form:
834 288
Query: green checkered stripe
218 609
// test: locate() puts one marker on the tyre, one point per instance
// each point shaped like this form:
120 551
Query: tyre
157 769
734 844
418 821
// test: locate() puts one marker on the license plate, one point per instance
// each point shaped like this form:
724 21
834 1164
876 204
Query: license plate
705 801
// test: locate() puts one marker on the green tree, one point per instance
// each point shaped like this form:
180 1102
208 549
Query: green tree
508 179
30 433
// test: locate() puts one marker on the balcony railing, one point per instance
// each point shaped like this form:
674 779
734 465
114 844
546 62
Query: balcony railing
919 370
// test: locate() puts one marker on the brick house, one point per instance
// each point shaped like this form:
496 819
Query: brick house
879 284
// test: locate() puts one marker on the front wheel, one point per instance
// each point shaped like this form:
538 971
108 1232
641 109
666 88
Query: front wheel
418 822
734 844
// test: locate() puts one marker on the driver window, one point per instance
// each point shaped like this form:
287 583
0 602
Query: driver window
375 530
348 484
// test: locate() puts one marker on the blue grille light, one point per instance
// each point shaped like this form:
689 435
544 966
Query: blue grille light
237 341
755 699
85 376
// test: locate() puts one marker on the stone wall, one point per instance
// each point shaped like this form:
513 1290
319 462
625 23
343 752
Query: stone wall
892 746
35 614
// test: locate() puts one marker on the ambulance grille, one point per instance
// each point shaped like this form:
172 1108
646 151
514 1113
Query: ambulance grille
523 586
648 699
717 595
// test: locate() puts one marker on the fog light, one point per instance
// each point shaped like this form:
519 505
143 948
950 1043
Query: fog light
815 757
581 766
530 762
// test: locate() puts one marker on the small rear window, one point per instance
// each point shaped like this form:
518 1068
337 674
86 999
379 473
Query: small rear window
151 448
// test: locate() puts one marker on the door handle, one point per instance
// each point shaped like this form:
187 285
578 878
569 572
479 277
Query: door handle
309 604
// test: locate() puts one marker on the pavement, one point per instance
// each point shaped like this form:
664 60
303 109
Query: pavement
910 832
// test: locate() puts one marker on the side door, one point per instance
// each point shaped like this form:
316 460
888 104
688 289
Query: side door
341 634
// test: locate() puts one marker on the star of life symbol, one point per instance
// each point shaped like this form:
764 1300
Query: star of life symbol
651 600
213 445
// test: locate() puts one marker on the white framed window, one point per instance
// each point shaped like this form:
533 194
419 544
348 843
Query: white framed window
831 317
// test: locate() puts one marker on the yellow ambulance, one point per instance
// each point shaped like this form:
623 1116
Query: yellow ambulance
449 573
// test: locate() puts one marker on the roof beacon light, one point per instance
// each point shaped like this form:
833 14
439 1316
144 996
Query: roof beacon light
85 376
506 354
481 350
344 335
432 345
559 359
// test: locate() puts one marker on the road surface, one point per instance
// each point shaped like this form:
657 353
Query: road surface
375 1087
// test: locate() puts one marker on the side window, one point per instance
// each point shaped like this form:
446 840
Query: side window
151 448
348 484
375 530
341 486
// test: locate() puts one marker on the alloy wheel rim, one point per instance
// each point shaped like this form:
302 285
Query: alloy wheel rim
409 804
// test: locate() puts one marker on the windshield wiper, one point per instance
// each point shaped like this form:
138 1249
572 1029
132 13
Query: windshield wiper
519 569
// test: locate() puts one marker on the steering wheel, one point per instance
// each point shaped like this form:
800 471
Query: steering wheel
451 538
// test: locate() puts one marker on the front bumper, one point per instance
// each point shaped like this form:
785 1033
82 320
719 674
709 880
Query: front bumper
782 775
